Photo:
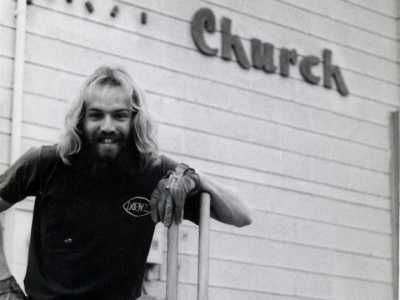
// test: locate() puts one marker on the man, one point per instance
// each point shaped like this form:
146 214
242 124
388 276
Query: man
99 194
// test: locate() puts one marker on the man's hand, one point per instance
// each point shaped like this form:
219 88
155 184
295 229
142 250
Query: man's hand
10 290
169 196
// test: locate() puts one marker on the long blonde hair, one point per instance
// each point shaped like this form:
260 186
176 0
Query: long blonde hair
142 127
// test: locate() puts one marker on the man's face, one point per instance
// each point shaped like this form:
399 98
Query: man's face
107 121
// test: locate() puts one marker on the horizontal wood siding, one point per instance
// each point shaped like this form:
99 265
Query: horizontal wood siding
313 164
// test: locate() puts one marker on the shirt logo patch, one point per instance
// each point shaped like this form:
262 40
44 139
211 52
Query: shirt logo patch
137 207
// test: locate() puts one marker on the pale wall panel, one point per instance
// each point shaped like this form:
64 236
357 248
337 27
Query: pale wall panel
371 111
88 38
8 37
345 12
275 161
314 285
279 254
278 194
386 7
312 231
299 20
294 185
44 111
291 229
146 50
6 71
53 57
182 10
7 13
188 291
321 235
310 207
177 112
314 208
3 167
5 141
176 31
330 289
286 282
283 37
5 125
66 84
40 133
5 102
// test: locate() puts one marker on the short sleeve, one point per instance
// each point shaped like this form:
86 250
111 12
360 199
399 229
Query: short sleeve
22 178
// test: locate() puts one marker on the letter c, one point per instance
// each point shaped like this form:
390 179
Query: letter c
204 18
305 69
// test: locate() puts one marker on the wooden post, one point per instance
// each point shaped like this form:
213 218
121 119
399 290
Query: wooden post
204 248
395 196
172 261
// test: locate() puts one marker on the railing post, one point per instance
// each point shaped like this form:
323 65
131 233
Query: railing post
204 249
172 261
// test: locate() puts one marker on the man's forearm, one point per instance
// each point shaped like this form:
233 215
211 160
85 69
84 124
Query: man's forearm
227 203
4 269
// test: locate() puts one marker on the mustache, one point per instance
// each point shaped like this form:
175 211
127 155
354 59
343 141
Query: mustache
113 136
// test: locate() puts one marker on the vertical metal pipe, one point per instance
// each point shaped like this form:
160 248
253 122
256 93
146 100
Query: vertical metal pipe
172 261
395 196
396 274
18 85
8 219
204 248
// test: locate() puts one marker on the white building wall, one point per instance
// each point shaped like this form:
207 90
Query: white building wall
314 164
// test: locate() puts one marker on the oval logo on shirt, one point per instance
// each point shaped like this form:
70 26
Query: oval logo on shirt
137 207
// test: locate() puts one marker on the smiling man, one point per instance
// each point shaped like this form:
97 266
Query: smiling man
99 194
107 122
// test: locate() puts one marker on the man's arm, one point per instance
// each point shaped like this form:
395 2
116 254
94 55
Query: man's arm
9 286
227 203
4 269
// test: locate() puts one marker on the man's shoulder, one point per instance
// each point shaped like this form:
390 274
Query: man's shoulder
35 154
49 152
43 156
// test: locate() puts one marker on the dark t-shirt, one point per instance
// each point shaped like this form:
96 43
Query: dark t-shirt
90 234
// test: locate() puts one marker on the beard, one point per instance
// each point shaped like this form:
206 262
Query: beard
108 153
106 147
108 156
